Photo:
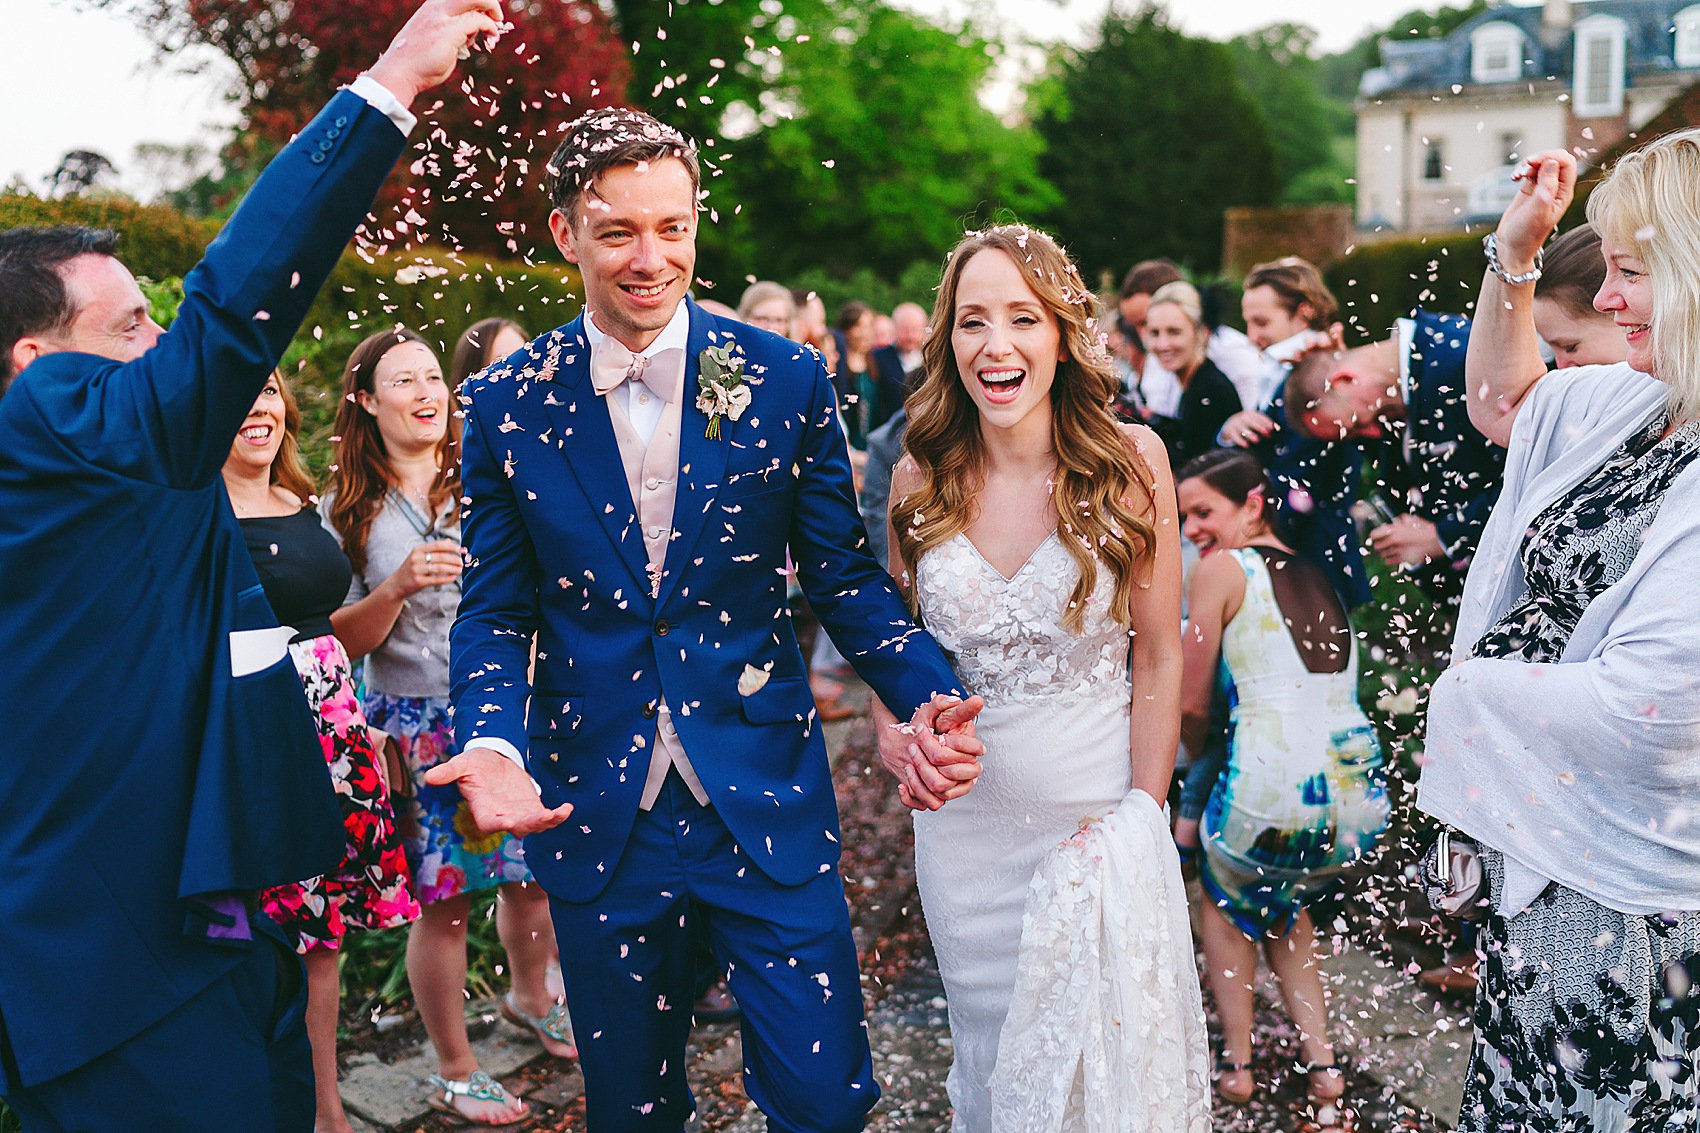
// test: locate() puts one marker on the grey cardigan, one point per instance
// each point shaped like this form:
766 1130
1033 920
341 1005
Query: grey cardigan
1585 771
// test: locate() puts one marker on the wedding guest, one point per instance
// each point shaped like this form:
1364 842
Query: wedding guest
768 305
900 360
810 327
394 505
1176 336
1288 310
305 574
161 761
479 345
1302 794
884 331
1562 741
1158 388
1565 316
1403 401
866 398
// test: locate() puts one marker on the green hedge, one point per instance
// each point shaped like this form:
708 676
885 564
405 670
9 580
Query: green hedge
435 292
1381 282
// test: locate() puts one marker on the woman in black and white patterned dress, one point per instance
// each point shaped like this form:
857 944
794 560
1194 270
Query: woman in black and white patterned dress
1565 745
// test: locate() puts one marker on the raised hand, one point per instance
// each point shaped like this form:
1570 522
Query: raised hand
1546 186
437 36
502 797
1246 428
1407 541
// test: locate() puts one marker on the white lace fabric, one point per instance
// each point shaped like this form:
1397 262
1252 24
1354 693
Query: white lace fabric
1046 885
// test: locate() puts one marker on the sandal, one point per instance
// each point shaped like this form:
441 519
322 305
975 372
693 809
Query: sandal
556 1026
1331 1073
1223 1066
478 1087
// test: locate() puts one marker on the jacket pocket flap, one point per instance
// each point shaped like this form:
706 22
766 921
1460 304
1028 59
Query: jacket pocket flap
555 714
779 700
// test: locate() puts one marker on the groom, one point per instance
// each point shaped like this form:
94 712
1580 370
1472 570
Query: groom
636 479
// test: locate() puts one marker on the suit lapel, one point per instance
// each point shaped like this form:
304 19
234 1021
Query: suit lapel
702 462
584 435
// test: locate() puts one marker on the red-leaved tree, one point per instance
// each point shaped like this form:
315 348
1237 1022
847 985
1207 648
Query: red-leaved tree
474 177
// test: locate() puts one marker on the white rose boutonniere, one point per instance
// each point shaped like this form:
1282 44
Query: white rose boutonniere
721 391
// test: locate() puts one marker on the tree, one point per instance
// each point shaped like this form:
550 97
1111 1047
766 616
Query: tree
1149 136
1279 71
79 171
1339 73
482 142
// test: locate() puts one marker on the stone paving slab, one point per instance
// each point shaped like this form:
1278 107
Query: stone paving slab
390 1094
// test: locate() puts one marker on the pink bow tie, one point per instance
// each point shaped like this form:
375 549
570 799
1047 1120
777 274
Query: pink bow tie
611 363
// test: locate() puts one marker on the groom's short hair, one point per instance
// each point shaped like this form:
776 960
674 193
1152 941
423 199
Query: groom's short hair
605 139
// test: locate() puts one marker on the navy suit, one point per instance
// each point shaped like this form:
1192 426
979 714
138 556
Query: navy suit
1436 465
138 771
556 551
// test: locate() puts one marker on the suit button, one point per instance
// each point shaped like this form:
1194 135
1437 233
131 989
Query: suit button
649 710
661 629
318 158
333 132
342 121
326 146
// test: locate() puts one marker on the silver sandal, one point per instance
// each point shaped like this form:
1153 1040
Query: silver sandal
479 1087
556 1026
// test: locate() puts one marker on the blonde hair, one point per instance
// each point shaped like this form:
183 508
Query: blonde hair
1103 492
1184 295
760 292
1647 206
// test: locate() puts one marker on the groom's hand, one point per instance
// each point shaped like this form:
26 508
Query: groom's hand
501 796
931 769
439 34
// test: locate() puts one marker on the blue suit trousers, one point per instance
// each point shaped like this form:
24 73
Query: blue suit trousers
628 960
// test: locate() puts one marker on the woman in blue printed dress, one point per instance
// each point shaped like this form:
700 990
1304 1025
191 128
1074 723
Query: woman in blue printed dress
1302 794
394 503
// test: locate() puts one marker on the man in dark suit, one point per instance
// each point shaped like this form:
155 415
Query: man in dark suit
1403 401
900 362
637 480
160 765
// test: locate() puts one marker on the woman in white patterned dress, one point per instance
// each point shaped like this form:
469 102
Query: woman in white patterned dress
1039 537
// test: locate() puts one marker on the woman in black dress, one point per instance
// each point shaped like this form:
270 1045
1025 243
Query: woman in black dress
1176 335
306 577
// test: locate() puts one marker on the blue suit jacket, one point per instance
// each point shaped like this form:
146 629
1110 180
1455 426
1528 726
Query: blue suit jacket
136 770
556 551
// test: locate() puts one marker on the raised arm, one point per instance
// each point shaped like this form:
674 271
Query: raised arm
1156 669
1504 360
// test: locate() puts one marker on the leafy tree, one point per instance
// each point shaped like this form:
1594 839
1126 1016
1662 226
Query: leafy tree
1279 70
1149 135
482 143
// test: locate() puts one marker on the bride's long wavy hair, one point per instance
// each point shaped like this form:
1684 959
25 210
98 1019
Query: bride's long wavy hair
1104 493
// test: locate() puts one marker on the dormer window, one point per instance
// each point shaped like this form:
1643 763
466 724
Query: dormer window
1599 67
1496 53
1687 47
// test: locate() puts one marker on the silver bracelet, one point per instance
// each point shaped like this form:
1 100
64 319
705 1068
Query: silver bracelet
1491 247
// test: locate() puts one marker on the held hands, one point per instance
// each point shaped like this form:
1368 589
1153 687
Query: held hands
1546 186
1407 542
436 37
429 564
502 797
936 756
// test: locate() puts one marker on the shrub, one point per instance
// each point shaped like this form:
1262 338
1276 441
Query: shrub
1381 282
158 242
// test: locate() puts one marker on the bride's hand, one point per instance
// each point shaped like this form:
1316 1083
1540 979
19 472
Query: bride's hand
931 769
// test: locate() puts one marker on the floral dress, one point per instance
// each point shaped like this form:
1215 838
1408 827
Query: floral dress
1584 1019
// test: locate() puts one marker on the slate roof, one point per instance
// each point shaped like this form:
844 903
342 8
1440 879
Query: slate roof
1426 64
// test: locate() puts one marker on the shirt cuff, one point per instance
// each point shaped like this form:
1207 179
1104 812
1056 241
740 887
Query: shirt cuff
384 101
497 744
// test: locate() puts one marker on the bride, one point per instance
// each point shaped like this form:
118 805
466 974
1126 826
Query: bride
1036 537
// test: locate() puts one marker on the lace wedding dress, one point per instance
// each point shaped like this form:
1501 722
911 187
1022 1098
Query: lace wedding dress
1052 891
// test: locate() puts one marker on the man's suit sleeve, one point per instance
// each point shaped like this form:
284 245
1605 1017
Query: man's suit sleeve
170 416
851 593
490 642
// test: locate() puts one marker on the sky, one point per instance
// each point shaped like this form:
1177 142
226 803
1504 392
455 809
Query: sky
112 93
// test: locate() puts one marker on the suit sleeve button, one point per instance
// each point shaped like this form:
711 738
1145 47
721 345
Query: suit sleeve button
318 158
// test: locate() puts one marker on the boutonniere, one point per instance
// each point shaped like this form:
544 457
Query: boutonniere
720 387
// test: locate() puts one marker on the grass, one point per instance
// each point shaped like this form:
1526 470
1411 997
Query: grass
373 965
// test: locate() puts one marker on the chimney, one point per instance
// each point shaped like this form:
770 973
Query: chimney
1555 23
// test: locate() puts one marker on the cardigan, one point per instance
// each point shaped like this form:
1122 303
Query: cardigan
1583 771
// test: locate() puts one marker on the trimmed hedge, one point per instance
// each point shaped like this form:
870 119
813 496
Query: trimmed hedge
1381 282
435 292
